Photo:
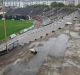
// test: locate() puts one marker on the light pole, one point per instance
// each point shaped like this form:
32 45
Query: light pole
4 22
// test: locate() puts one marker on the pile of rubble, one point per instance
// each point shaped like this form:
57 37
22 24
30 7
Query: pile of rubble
69 64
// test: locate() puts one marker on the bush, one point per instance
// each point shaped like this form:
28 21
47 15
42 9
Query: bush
55 4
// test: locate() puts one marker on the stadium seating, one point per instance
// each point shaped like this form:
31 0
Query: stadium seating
57 13
21 13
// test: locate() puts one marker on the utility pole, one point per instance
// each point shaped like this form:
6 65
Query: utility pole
5 31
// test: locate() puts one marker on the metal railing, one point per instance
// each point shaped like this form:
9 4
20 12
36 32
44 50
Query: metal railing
10 47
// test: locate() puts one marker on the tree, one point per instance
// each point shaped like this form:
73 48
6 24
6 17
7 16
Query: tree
40 6
53 4
60 5
71 5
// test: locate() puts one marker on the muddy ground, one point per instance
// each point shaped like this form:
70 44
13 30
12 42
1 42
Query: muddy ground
67 65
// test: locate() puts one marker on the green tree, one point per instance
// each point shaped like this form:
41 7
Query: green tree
54 4
40 6
60 5
71 5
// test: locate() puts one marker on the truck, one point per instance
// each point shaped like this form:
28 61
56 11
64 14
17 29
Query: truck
33 50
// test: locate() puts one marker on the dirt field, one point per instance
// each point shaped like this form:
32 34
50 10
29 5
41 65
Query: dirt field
69 65
23 52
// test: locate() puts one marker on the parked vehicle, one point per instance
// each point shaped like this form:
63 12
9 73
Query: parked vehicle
33 51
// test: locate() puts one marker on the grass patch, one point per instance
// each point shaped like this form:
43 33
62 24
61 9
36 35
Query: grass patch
13 26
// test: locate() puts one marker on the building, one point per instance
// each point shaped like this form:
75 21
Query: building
77 2
23 3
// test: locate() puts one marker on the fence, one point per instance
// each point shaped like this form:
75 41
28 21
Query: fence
9 48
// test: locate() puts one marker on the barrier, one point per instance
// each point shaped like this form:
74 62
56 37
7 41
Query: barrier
9 48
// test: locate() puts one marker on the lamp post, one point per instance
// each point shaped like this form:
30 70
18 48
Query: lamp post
4 22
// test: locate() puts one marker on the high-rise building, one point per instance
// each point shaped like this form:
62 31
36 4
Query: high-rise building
22 3
77 2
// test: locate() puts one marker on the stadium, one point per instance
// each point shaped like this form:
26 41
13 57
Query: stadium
39 37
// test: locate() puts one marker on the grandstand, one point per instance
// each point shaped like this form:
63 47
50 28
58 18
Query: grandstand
58 12
31 11
41 16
